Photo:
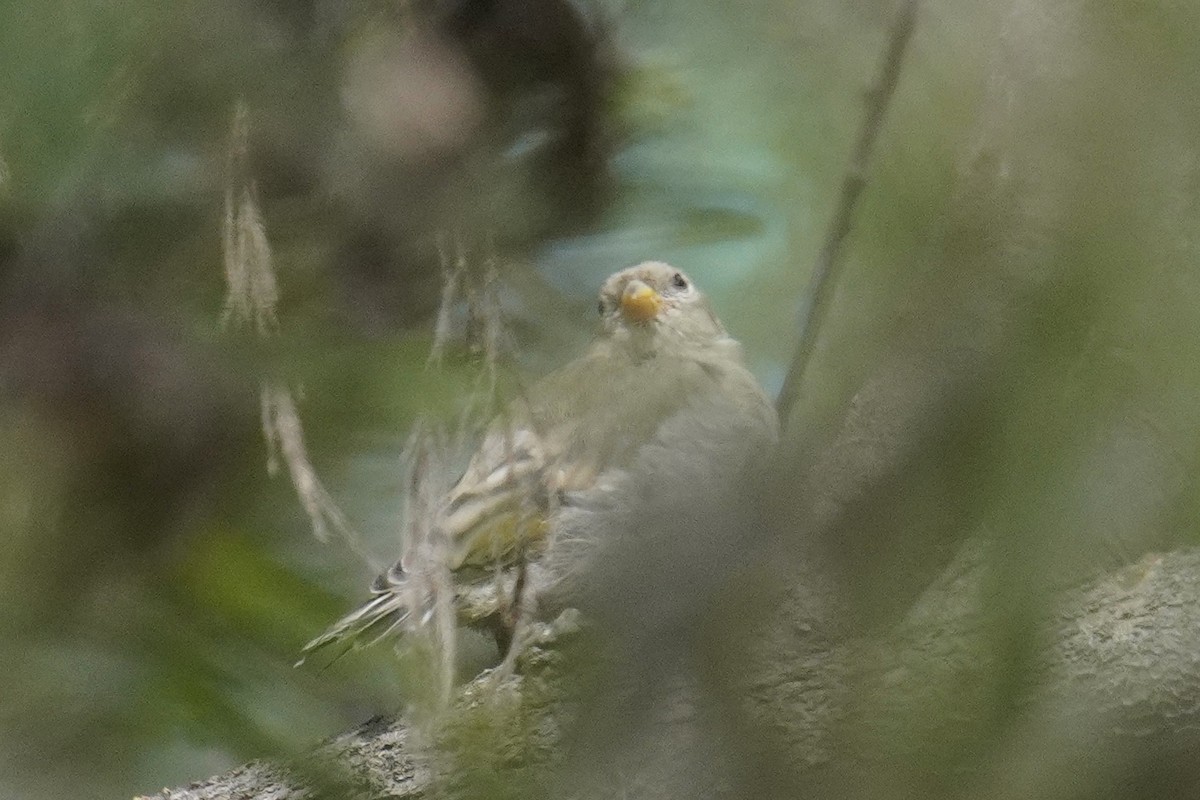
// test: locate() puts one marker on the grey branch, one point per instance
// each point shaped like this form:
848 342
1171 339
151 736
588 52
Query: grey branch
1121 656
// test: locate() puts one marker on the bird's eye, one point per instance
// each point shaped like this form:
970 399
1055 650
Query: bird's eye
678 281
600 307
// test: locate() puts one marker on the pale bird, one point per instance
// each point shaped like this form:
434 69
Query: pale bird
662 388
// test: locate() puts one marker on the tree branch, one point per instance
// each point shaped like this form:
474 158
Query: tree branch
1119 658
824 275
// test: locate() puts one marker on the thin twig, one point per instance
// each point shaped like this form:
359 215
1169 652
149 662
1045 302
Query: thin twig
251 298
5 174
824 274
452 279
285 441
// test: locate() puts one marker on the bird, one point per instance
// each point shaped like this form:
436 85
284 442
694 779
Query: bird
662 395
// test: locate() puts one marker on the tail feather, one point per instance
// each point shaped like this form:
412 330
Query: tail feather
389 581
390 609
412 600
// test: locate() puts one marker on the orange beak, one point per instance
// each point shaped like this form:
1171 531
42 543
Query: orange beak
640 303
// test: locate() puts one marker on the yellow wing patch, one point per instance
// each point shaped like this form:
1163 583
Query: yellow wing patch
500 538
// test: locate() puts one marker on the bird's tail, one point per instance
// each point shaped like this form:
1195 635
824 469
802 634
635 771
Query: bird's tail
396 602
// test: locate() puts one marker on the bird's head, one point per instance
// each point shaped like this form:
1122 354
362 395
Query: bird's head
654 304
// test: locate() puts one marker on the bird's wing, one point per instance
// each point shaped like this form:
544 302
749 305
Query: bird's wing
555 440
499 506
496 510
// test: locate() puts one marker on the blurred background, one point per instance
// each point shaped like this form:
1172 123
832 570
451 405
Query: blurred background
1020 290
